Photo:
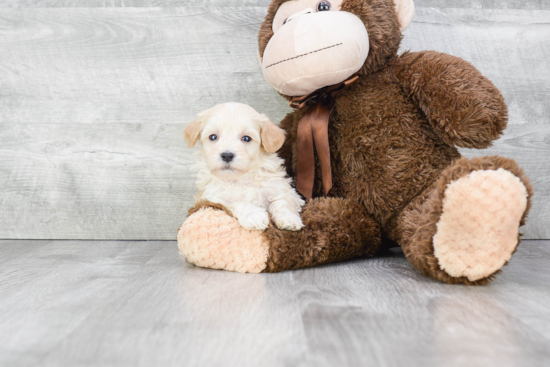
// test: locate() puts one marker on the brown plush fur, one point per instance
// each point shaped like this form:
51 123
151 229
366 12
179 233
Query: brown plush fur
393 138
352 233
379 18
477 114
416 225
207 204
349 233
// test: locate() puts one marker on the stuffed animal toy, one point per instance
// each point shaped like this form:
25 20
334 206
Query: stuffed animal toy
372 145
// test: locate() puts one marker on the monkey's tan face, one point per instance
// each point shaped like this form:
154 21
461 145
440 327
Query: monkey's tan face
314 45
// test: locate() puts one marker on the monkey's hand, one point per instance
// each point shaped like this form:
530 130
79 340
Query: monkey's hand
463 107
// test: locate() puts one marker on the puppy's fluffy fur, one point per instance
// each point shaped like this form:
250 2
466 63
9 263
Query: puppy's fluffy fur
240 169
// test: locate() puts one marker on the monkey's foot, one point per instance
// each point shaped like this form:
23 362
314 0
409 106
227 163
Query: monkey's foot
478 228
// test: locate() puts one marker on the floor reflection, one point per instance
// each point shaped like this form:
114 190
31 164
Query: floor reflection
471 326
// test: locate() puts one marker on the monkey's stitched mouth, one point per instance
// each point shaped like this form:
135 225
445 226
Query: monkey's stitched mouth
307 53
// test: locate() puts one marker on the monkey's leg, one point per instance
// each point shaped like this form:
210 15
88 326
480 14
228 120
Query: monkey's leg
464 228
334 230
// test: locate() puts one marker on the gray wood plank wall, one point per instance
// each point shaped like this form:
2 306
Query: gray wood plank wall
473 4
94 96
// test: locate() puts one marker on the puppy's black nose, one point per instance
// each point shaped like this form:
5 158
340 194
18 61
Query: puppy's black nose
227 156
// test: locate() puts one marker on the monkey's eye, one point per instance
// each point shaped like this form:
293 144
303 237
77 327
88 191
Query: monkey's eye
246 139
213 137
323 6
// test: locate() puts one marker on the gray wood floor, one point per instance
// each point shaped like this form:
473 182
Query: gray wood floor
132 303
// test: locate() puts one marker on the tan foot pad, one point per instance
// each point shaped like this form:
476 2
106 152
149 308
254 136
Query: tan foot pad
478 229
210 238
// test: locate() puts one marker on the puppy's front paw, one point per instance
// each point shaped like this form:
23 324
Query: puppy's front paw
257 219
288 221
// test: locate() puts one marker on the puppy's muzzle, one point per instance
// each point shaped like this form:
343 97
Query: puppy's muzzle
227 156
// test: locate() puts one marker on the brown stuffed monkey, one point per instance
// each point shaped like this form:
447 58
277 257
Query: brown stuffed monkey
393 173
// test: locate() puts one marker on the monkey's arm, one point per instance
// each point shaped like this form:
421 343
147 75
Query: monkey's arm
463 107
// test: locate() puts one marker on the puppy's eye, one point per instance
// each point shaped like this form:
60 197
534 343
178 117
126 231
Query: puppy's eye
323 6
213 137
246 139
284 22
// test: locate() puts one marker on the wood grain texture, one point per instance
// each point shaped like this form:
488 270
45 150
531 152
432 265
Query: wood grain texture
129 65
123 303
93 103
472 4
511 48
127 3
529 145
103 180
484 4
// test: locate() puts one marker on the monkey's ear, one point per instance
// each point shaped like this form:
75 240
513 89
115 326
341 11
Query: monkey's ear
405 12
272 135
193 130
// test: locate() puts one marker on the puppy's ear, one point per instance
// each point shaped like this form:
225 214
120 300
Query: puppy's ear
272 135
193 130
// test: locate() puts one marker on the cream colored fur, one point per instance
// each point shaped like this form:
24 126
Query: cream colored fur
312 49
405 12
236 249
254 182
290 9
478 229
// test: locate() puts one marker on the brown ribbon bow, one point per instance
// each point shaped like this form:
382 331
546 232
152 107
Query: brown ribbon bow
313 128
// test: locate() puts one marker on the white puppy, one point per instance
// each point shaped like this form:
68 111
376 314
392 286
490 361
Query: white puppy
239 168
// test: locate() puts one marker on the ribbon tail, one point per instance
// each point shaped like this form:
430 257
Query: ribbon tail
306 161
320 137
313 130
